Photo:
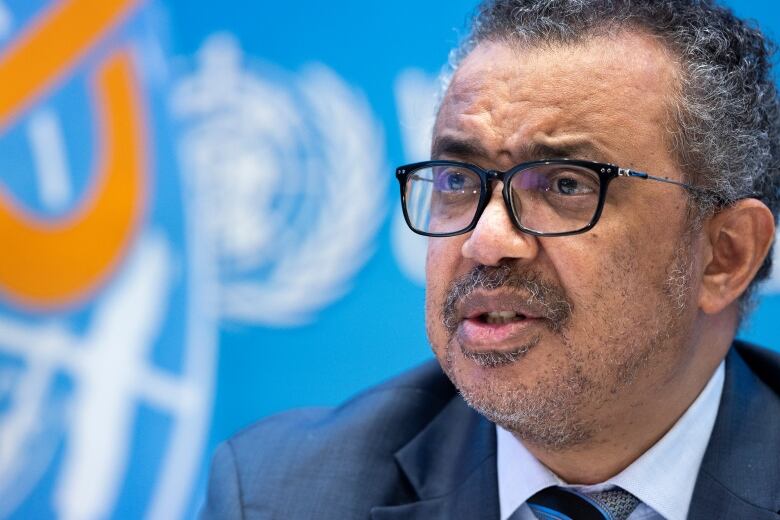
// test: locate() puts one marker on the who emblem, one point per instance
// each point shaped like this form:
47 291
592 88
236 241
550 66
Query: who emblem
105 394
291 173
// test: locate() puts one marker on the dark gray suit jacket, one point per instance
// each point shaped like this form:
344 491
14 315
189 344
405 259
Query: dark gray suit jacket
412 449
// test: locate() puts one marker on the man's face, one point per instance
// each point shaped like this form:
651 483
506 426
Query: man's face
558 338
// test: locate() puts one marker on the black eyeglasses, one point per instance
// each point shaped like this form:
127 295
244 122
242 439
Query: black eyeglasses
545 198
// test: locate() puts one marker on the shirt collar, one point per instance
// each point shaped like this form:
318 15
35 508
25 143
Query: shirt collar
663 477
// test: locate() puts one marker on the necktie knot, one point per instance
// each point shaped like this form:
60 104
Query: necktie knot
556 503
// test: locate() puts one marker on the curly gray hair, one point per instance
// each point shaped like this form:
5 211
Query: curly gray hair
726 137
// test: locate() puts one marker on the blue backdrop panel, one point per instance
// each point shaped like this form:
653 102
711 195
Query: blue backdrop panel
259 263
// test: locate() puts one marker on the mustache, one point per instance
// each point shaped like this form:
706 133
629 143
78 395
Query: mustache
549 299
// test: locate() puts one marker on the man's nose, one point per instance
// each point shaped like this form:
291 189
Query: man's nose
495 238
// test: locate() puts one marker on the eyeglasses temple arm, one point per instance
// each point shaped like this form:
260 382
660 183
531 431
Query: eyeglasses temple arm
623 172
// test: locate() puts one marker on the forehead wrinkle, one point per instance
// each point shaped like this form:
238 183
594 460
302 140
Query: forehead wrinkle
498 109
478 102
540 146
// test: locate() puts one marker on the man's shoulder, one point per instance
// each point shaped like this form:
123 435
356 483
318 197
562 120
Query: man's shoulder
288 465
740 472
388 412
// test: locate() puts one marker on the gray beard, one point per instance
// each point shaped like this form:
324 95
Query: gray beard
548 414
542 415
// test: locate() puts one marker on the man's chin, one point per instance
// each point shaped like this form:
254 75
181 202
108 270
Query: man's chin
497 385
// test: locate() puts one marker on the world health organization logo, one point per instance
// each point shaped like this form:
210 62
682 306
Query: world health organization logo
105 399
291 168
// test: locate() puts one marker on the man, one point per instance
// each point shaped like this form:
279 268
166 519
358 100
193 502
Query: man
600 204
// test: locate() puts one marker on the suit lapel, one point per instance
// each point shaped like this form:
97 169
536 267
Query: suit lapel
451 465
740 472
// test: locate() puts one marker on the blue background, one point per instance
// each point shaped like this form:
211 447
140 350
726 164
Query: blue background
373 331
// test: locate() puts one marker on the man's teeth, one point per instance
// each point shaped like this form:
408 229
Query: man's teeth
500 317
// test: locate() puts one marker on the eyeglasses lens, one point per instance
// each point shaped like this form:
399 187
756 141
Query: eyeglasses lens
554 198
442 199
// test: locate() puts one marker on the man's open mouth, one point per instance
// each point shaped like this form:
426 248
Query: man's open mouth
500 317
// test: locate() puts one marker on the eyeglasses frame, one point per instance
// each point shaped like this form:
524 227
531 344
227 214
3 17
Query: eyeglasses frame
606 172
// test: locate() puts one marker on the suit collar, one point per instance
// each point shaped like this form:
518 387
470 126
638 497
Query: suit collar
451 465
740 473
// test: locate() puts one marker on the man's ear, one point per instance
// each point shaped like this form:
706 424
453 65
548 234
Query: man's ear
739 238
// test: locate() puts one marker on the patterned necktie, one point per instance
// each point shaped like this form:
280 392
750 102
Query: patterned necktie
556 503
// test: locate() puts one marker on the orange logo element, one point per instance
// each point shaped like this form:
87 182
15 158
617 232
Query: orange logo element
52 263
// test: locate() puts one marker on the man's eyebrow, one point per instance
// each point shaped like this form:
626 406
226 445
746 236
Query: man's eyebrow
574 149
471 148
457 147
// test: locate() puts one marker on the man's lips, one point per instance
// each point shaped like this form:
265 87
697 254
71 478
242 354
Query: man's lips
497 306
497 321
477 335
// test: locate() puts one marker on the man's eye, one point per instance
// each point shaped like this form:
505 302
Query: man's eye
571 185
453 181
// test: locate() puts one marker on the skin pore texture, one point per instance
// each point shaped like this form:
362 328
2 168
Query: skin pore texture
624 324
